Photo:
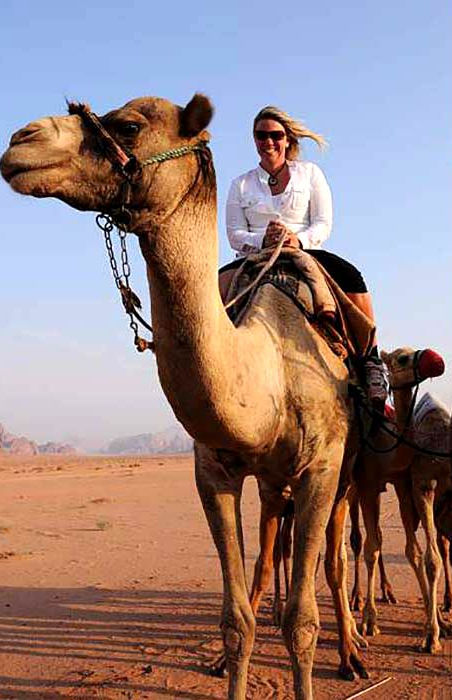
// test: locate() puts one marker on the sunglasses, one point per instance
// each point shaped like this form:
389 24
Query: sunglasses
273 135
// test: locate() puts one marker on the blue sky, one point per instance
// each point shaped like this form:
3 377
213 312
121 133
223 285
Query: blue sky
374 78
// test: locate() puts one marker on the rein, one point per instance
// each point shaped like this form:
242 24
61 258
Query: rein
399 437
130 168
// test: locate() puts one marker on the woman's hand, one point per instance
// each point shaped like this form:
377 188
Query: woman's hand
273 233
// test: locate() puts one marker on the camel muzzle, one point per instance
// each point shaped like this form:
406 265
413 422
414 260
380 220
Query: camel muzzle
430 364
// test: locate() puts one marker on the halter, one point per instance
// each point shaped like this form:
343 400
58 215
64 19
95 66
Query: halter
125 162
130 168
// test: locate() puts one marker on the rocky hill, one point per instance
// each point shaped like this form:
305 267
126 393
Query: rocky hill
24 446
171 440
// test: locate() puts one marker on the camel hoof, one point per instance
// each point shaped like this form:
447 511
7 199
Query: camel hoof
445 629
388 597
277 616
430 645
218 668
369 629
346 673
359 667
372 629
359 640
357 602
218 672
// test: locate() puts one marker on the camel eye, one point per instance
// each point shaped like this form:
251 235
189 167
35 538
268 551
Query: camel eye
403 360
128 128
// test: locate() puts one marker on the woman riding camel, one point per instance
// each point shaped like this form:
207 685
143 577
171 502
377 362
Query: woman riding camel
284 194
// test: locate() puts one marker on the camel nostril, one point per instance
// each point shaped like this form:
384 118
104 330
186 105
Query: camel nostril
25 134
430 364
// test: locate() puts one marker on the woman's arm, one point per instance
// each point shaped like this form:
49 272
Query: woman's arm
320 209
240 238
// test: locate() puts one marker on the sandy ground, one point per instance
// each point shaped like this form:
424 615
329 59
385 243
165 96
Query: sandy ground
110 588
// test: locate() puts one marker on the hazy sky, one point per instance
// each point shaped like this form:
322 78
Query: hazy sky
373 77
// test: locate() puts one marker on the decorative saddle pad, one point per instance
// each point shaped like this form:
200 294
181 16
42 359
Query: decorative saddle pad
433 434
349 332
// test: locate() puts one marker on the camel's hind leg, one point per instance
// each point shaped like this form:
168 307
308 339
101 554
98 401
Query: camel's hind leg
313 502
387 596
356 543
272 507
220 489
370 506
336 574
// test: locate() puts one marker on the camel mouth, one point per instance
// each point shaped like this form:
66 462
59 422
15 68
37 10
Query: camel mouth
10 171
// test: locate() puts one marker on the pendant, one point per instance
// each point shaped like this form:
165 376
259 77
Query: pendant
272 181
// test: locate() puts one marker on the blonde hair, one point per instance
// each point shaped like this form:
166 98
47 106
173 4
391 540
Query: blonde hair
294 129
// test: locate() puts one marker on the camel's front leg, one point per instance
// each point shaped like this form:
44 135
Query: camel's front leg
313 502
336 575
220 487
424 493
410 521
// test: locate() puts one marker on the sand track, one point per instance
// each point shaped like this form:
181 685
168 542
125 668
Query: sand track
110 589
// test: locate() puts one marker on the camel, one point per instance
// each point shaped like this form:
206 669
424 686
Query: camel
394 466
429 479
267 398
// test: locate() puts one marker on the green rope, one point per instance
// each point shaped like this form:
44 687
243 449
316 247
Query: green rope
174 153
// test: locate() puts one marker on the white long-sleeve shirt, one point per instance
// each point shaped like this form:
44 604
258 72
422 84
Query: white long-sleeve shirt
305 207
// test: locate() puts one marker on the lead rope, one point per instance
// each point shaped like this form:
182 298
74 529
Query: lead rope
130 300
399 438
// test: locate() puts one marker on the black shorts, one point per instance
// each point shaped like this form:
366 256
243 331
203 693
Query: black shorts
346 275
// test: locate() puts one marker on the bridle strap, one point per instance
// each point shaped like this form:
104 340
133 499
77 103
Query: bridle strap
115 153
417 378
128 165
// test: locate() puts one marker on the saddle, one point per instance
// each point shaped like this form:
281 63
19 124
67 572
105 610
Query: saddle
347 330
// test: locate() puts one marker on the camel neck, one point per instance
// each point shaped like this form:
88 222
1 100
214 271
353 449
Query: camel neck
402 404
201 356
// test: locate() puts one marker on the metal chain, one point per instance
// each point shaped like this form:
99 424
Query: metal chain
105 223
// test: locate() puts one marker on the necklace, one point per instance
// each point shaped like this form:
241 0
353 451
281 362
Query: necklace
273 178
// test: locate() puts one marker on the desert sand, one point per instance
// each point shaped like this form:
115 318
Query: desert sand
110 589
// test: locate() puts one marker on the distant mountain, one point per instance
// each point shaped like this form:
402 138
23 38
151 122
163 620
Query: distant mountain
171 440
24 446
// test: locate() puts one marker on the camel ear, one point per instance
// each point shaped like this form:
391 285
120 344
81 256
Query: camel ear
384 356
196 115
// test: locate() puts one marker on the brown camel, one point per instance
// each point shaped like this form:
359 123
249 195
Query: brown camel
267 398
375 470
429 479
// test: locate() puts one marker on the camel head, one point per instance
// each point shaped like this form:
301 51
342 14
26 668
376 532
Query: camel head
63 157
408 367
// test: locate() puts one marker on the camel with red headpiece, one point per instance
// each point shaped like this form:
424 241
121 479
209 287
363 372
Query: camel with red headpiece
430 478
419 481
268 398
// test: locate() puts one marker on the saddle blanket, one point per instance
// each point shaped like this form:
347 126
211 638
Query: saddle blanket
426 404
